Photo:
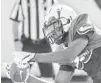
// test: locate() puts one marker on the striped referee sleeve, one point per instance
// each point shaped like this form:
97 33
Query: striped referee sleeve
17 12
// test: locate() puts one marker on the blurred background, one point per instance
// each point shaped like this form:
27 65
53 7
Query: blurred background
21 29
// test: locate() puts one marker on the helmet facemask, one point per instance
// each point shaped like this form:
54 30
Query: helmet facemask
53 30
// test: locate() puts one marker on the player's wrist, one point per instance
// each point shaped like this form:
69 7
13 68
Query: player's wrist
33 59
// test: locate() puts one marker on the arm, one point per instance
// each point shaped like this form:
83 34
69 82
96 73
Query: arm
64 56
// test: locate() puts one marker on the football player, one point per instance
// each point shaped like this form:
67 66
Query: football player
81 43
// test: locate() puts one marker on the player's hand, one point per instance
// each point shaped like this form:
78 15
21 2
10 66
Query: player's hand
23 58
15 73
77 63
19 74
6 69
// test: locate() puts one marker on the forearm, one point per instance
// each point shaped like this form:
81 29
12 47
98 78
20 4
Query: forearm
53 57
33 79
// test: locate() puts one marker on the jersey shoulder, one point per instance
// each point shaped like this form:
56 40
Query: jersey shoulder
83 25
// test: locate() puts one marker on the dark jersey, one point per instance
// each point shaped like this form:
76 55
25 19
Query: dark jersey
81 26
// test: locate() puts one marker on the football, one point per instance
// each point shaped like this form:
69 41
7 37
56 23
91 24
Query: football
19 74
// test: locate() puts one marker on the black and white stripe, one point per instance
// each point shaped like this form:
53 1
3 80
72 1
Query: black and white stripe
31 13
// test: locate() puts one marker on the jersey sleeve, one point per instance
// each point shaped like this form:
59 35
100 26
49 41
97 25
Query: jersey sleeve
17 12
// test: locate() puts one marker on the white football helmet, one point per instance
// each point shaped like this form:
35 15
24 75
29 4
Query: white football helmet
57 21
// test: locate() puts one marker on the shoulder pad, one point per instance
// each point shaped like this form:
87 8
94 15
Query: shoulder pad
85 29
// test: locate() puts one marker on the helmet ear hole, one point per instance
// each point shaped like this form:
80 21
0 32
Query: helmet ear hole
68 21
71 17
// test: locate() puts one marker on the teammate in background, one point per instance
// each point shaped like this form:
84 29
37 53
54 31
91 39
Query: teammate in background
80 40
